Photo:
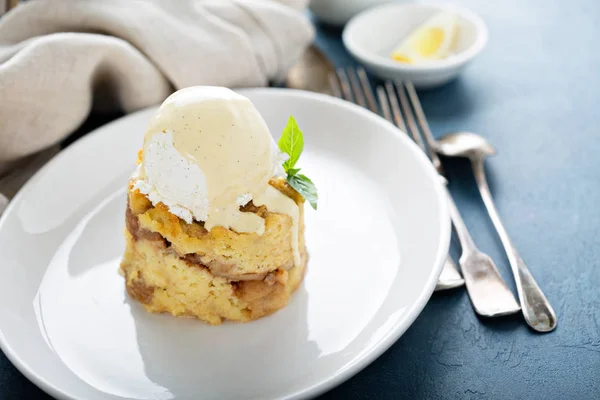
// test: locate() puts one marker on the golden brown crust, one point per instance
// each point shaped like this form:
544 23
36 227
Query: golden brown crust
226 252
164 283
285 188
139 289
133 226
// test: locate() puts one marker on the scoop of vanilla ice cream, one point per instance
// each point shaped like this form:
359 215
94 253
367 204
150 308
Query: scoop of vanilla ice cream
173 180
207 151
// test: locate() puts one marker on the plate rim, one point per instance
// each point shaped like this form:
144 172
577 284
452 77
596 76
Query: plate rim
361 362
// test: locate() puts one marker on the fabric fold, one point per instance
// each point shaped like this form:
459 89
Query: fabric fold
60 59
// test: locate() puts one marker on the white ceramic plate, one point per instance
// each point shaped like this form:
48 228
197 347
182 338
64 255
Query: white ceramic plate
376 244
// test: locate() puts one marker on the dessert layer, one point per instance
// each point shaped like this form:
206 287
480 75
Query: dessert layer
164 282
236 256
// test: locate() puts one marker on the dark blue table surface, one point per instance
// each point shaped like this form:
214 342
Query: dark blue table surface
535 93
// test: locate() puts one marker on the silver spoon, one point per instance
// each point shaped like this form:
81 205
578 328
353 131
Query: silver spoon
537 310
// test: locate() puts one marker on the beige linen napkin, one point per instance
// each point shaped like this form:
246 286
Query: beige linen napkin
61 58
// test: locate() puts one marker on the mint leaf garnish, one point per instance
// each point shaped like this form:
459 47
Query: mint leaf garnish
291 143
305 187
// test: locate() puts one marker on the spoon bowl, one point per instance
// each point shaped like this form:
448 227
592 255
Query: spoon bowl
465 144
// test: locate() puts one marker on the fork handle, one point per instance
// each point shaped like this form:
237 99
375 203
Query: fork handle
466 241
537 310
450 278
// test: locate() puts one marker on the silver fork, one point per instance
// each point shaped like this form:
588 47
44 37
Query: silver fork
488 292
355 87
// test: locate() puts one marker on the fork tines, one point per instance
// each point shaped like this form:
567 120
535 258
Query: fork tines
397 100
398 103
352 84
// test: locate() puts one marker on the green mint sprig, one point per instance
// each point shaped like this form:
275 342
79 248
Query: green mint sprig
292 144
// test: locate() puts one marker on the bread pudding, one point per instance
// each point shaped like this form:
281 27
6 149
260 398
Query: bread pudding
212 233
183 269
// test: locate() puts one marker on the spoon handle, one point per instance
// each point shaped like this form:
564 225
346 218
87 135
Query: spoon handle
464 237
537 310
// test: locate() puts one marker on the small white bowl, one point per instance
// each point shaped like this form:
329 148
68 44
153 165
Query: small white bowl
371 36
